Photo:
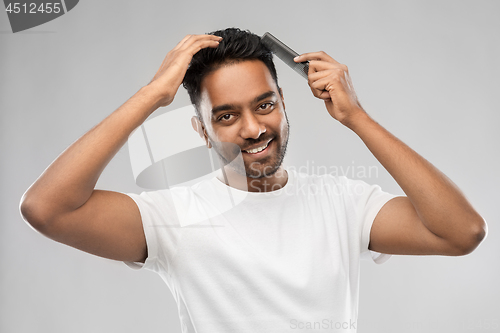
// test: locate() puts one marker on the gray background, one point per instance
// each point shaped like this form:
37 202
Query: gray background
426 70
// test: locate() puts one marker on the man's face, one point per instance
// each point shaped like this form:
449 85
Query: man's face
241 105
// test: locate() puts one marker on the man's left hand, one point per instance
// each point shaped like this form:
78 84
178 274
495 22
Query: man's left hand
330 81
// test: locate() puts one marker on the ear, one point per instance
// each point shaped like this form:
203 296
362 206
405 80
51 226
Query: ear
198 127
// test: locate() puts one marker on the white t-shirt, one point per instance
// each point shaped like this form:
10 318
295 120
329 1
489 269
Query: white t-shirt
280 261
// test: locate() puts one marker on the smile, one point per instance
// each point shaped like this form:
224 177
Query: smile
258 149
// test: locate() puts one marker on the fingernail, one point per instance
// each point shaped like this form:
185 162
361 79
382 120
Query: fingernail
296 58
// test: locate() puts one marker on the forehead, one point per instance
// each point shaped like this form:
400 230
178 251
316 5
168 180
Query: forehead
236 83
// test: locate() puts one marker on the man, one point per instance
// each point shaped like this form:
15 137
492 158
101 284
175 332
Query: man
286 255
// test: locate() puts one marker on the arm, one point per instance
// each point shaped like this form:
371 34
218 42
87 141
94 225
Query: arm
63 205
434 217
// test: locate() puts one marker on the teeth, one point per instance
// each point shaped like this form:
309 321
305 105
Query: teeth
256 150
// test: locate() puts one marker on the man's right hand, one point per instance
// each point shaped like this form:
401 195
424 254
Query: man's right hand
63 204
169 76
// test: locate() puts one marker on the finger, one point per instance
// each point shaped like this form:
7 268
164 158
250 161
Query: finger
206 40
183 55
201 44
314 56
319 70
315 76
165 60
318 66
328 71
191 38
325 95
320 85
185 49
179 45
321 88
321 94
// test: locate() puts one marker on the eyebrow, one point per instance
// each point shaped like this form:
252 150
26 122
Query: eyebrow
225 107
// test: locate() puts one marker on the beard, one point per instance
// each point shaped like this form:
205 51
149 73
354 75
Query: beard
231 155
269 165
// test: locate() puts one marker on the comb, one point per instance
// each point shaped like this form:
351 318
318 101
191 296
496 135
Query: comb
285 53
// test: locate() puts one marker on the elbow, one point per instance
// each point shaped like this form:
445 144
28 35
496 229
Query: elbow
473 237
33 213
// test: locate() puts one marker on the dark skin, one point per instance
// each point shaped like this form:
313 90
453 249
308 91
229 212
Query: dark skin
63 204
434 217
249 112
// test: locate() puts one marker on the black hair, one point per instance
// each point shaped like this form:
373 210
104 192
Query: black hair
236 45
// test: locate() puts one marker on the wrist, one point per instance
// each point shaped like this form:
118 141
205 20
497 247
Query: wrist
151 96
357 120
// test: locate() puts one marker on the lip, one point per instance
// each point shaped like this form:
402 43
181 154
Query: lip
263 152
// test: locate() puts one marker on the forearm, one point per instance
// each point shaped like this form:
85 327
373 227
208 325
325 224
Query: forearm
439 203
70 180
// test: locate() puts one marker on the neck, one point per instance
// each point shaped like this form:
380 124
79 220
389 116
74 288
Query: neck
265 184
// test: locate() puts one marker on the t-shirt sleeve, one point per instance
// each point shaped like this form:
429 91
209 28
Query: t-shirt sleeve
367 200
161 229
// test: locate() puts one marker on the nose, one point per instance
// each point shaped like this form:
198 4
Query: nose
251 127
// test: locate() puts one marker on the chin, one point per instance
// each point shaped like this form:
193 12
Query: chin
263 171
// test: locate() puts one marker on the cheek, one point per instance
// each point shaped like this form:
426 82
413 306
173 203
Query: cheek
221 134
283 125
211 133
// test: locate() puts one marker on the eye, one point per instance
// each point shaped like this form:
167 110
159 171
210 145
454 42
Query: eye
266 106
225 117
